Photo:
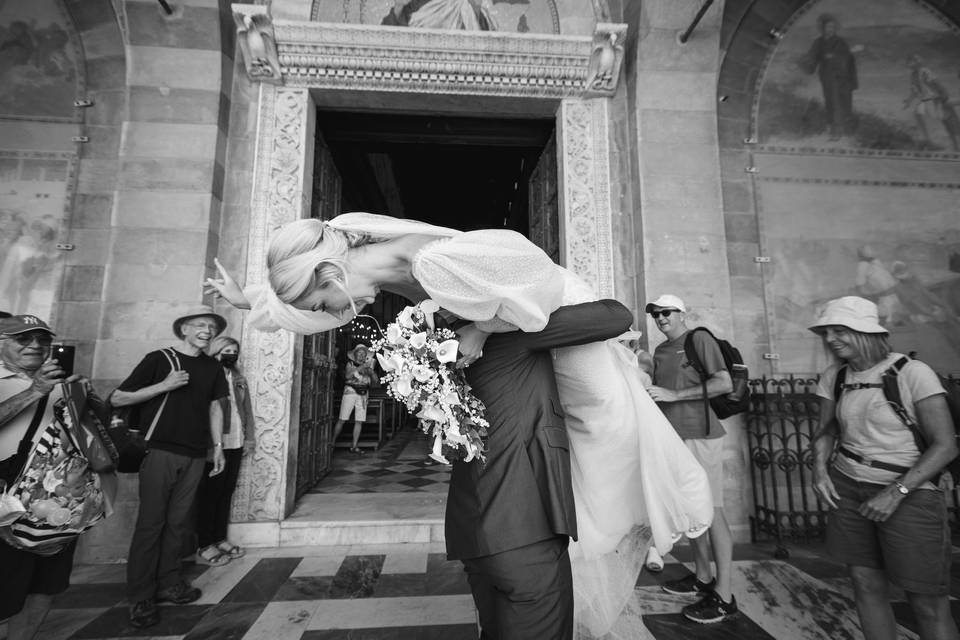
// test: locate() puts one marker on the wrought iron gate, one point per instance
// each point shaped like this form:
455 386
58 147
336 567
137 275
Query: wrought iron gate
784 416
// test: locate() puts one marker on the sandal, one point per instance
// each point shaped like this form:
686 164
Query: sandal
356 450
231 550
212 556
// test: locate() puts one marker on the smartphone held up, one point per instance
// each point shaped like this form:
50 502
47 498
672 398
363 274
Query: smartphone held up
64 355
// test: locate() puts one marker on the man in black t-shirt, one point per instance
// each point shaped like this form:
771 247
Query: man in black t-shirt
178 391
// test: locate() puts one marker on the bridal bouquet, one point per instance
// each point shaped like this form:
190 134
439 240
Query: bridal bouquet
419 359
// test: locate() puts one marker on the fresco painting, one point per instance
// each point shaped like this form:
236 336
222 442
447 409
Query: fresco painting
38 62
33 192
893 245
516 16
847 76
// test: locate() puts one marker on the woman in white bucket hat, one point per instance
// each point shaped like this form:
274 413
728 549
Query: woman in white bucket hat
888 519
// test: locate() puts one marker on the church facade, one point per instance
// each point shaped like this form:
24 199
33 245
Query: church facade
755 158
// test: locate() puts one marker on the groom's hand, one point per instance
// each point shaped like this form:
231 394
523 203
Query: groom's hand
472 340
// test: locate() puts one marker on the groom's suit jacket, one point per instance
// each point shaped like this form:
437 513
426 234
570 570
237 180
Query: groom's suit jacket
524 492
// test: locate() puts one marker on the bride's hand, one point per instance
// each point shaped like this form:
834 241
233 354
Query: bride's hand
226 287
472 340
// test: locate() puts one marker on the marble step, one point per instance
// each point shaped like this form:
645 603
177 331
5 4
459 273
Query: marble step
351 519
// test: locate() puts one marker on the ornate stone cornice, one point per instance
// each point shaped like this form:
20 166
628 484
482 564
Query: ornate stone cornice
346 56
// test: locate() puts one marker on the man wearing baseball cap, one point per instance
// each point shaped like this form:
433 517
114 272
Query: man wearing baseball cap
29 388
178 391
678 392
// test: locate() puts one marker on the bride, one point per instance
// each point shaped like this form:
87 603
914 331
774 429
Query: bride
633 478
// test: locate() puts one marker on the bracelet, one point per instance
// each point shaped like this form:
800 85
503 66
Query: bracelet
218 444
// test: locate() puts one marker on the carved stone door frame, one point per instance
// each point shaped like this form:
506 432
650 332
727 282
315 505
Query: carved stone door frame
352 58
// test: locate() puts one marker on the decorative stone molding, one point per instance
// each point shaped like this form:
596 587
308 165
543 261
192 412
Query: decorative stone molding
586 229
346 56
284 149
257 42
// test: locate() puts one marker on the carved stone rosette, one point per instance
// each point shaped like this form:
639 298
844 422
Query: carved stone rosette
283 149
586 229
345 56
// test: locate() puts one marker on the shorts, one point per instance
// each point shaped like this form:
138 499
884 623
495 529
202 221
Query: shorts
26 573
709 453
353 403
912 546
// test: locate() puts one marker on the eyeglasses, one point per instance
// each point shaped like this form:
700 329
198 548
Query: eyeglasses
664 312
26 339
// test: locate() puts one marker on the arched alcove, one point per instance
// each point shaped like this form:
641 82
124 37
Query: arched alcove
567 17
841 169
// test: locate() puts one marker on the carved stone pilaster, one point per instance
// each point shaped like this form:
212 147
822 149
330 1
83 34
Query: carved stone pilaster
585 210
271 360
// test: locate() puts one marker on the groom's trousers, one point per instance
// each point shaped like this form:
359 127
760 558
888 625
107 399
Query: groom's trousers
524 593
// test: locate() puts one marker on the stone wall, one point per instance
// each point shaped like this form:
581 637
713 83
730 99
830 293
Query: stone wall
163 184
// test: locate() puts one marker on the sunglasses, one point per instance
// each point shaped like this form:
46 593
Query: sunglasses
665 313
26 339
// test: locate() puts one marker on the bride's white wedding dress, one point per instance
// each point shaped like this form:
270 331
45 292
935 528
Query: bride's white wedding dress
634 481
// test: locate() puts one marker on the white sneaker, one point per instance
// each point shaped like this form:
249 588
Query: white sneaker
654 560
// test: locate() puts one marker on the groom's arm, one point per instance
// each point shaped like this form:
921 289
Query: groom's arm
579 324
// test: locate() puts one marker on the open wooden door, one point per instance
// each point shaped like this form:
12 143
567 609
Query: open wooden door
319 366
544 202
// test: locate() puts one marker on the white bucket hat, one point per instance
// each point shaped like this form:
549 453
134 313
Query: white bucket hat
852 312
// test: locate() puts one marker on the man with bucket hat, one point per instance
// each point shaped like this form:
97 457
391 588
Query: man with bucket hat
178 391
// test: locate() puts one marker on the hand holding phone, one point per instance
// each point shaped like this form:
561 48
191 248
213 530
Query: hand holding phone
64 355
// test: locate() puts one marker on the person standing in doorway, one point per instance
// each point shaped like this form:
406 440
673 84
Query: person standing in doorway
359 376
679 393
181 389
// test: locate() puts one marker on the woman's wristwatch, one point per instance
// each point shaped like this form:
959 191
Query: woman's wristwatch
902 488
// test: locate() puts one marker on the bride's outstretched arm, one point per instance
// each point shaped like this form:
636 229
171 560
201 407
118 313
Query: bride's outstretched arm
226 287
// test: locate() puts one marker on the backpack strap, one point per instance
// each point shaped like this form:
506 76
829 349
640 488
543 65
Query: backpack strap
697 363
891 393
174 363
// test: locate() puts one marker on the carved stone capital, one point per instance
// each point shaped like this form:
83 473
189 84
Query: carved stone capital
257 42
606 59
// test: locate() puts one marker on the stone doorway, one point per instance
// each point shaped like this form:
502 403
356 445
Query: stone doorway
467 77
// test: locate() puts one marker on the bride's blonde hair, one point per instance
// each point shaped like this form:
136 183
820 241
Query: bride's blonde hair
307 254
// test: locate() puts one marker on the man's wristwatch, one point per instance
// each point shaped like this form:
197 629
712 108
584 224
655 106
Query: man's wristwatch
220 444
901 488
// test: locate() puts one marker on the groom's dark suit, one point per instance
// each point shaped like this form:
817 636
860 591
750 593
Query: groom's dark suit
510 521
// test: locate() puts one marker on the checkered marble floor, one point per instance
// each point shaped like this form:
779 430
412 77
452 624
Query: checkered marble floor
407 592
399 466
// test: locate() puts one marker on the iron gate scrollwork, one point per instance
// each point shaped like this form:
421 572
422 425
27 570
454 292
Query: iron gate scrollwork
784 416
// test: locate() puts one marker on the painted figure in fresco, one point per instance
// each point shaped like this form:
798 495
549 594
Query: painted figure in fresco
28 260
473 15
877 284
832 59
930 101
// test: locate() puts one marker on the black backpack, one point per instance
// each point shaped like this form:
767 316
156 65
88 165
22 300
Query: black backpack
738 400
891 392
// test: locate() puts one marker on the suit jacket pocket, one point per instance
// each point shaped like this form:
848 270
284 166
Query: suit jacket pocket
557 437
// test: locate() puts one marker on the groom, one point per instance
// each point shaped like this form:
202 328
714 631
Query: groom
510 521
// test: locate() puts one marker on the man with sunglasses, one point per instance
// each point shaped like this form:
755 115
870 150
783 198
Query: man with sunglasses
29 388
678 392
178 391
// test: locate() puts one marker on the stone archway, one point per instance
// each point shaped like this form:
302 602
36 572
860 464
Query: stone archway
543 73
